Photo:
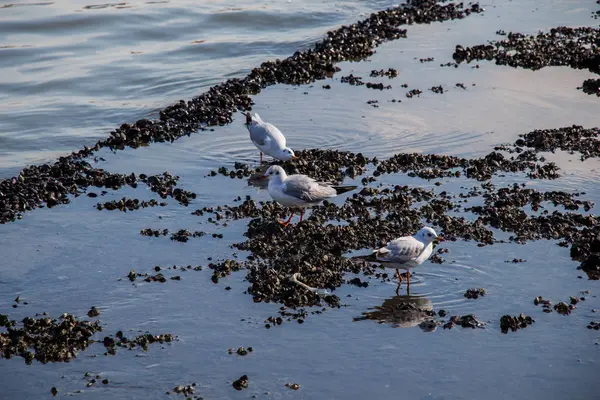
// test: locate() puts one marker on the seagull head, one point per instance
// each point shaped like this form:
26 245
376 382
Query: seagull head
275 173
285 154
427 235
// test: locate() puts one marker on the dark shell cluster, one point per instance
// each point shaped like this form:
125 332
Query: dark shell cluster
431 166
241 383
591 264
53 184
561 307
590 86
466 321
222 269
573 139
545 303
515 323
562 46
45 339
390 73
564 308
162 273
141 341
474 293
126 204
186 390
332 166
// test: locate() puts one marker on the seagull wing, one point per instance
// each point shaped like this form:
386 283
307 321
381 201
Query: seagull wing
401 250
275 135
258 134
307 189
262 133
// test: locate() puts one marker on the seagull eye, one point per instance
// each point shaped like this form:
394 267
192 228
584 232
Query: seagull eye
276 173
429 234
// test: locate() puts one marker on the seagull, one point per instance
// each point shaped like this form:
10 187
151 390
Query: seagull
406 252
267 138
299 191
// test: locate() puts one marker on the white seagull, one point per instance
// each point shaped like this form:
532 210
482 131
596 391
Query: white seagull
299 191
406 252
267 138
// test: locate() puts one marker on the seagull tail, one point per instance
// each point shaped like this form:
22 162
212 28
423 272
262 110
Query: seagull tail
369 257
258 119
248 117
344 189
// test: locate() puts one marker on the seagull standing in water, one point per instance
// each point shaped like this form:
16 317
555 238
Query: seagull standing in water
267 138
299 191
406 252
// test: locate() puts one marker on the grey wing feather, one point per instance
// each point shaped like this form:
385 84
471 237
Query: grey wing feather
307 189
258 134
401 250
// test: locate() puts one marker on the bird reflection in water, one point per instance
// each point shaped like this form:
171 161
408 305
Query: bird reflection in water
255 180
403 312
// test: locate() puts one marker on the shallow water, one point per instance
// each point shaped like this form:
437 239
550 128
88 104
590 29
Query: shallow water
72 257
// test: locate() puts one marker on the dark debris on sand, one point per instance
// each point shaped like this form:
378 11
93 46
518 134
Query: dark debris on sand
141 341
126 204
564 308
186 390
466 321
591 264
515 323
51 184
546 304
474 293
562 46
591 86
224 268
240 383
572 139
160 273
45 339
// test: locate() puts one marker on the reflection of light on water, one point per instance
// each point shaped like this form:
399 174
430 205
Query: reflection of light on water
403 312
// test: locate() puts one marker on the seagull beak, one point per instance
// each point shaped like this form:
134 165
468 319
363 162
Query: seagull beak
294 157
260 178
439 239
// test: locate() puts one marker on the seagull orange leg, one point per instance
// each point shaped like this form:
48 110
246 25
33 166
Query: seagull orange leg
408 280
399 276
301 214
261 157
286 223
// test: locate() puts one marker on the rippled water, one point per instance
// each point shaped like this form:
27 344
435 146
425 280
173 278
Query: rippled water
72 71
